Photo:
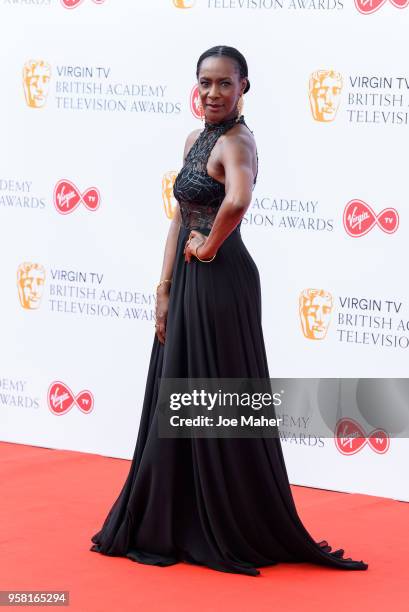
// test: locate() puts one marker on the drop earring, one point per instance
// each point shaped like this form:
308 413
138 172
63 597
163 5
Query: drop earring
200 110
240 106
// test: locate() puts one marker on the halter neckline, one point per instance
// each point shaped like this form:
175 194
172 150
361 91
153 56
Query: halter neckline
223 124
199 194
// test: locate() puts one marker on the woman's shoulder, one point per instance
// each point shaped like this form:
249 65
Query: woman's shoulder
239 131
238 146
190 140
238 137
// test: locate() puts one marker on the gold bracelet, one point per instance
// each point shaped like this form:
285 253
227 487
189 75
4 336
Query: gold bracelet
203 260
165 280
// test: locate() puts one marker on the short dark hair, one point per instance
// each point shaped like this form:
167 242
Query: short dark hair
224 51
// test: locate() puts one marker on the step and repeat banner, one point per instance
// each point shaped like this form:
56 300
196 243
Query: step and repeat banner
97 99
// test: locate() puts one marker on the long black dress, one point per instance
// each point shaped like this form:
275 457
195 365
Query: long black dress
219 502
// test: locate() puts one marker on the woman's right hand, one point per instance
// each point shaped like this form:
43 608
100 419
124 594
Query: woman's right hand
161 312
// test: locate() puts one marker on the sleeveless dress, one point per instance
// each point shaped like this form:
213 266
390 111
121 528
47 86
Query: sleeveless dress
224 503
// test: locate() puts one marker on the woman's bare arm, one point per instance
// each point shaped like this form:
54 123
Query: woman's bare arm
170 249
171 241
162 294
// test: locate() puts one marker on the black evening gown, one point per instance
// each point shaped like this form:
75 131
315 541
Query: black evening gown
218 502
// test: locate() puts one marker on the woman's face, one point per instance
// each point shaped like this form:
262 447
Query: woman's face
220 87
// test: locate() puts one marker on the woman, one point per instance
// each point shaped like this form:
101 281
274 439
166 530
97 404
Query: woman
224 503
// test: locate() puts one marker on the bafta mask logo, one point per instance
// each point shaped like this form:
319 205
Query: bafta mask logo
71 4
169 200
30 284
325 92
184 4
67 197
36 79
61 399
315 312
359 219
195 104
350 438
366 7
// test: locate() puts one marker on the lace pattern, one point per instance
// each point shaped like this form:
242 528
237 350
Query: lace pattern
199 194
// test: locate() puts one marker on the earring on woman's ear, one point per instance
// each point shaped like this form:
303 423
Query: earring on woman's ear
200 110
240 106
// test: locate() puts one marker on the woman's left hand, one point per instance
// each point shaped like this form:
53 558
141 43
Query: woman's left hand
194 241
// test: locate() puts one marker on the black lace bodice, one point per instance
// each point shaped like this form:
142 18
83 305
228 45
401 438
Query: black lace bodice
199 194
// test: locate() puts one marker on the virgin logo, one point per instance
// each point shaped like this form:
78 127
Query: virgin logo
350 438
359 219
195 104
71 4
366 7
61 399
67 197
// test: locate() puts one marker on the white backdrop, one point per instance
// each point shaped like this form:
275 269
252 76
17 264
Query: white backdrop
99 94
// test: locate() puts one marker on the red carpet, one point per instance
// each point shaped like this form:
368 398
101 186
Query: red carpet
53 501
